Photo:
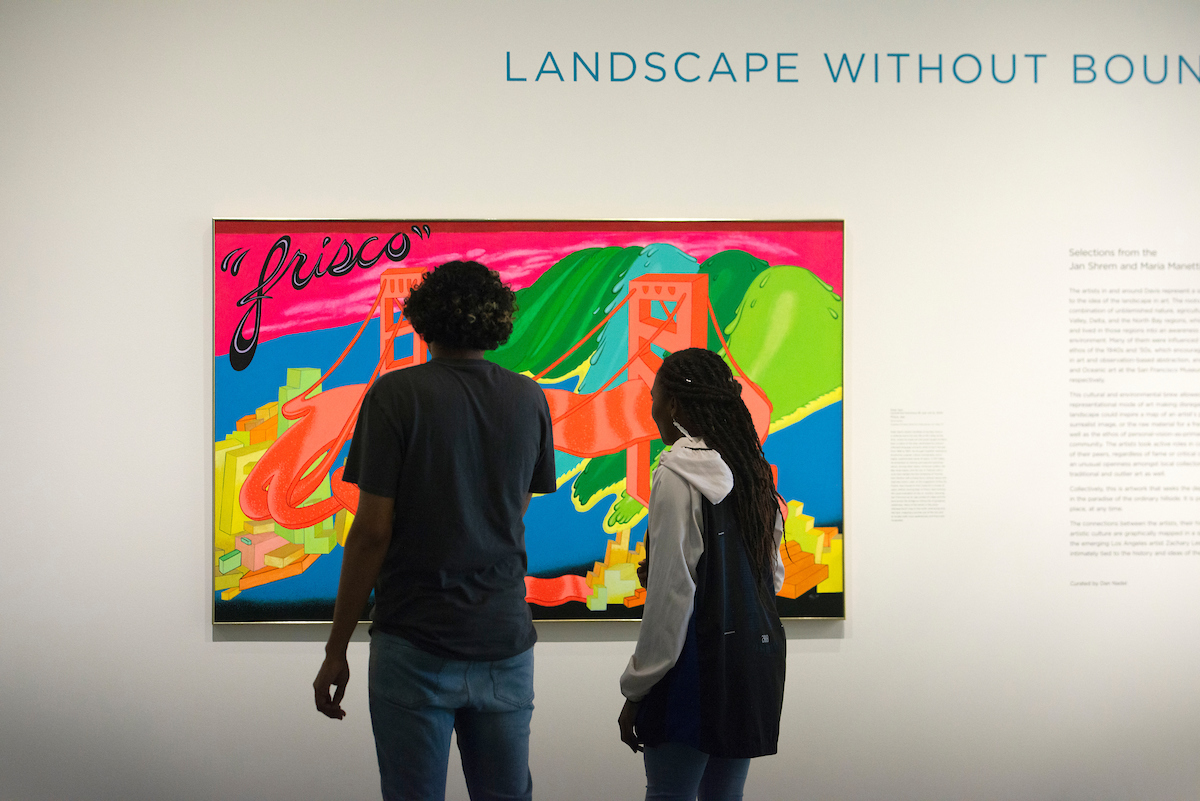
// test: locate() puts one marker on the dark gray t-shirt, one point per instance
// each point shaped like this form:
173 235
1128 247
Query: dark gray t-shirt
458 443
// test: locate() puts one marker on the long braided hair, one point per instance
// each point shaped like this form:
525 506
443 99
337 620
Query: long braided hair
710 401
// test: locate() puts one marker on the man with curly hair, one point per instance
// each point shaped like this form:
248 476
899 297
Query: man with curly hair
446 456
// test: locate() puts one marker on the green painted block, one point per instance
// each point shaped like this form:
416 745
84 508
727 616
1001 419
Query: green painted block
230 561
598 601
322 539
299 379
303 377
295 536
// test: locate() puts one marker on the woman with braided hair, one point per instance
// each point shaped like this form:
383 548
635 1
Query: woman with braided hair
704 686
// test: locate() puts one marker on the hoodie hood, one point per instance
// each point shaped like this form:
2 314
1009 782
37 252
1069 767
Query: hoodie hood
700 466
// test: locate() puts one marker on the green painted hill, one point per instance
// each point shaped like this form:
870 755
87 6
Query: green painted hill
559 308
787 336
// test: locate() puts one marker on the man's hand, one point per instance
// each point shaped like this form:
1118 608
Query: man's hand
334 672
366 545
625 721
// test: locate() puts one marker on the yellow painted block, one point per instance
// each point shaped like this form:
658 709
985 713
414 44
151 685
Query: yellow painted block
819 547
834 558
230 594
267 410
614 554
618 588
797 523
228 580
341 525
258 526
623 540
284 555
221 539
237 464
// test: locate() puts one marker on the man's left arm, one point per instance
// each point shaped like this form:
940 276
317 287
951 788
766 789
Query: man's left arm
366 545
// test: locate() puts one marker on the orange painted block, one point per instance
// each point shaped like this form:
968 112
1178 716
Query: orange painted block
247 422
637 599
265 431
795 586
284 555
795 560
266 575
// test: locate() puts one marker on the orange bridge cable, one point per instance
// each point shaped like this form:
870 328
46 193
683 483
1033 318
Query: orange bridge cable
591 396
352 419
712 315
586 337
353 340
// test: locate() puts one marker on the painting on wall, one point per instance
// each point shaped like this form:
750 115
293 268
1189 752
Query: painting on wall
308 313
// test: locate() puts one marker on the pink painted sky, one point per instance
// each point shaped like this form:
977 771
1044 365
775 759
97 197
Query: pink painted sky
519 251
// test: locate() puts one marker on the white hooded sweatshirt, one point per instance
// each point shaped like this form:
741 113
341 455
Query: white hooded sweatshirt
689 470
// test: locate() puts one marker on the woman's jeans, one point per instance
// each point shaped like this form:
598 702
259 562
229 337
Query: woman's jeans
417 699
678 772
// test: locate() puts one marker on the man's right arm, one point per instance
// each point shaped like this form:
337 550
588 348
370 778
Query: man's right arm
366 546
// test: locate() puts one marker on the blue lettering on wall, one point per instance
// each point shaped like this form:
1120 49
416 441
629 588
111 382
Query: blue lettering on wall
780 67
716 70
594 71
967 68
678 74
1195 72
996 77
549 59
749 69
1035 57
612 66
851 71
1108 65
921 68
1146 70
508 67
1089 67
653 66
978 68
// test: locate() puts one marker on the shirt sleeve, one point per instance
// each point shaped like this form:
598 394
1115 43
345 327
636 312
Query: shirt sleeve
376 450
675 545
544 479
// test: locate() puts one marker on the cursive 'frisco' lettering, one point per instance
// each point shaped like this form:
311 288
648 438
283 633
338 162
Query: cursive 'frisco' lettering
277 264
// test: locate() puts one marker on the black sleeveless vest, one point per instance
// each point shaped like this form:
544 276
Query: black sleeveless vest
725 693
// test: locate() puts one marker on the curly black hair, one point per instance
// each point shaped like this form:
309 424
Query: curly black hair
710 401
462 304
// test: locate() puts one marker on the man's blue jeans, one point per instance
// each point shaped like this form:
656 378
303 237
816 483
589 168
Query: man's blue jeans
417 699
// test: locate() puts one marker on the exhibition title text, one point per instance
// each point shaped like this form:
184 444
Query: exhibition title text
848 68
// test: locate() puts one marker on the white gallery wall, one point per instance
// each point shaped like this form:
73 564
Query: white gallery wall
986 654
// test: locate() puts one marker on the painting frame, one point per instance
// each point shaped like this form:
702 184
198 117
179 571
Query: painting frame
304 547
